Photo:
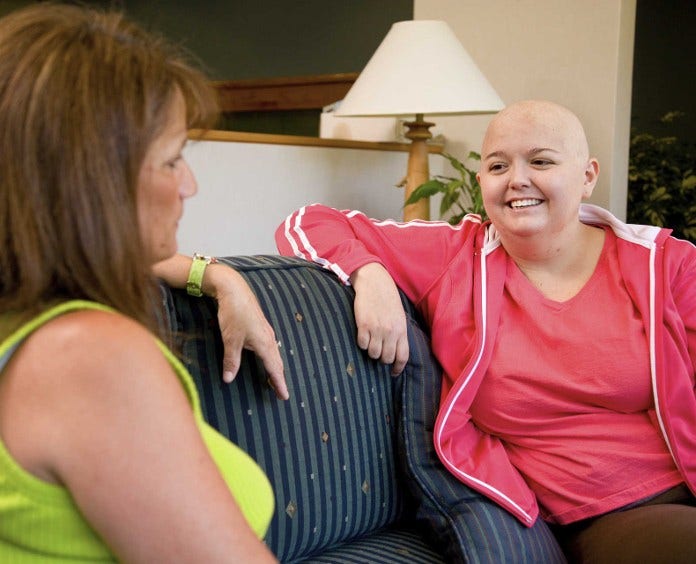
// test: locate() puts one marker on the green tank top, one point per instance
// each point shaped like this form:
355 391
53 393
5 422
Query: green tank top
39 522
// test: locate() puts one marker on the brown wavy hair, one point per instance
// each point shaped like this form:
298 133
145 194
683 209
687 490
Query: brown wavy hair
83 94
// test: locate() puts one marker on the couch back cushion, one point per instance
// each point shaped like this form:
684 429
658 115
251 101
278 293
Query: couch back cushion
329 450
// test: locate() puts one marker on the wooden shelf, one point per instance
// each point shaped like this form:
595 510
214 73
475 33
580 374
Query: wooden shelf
289 93
245 137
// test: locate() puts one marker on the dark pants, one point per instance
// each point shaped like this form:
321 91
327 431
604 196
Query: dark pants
659 530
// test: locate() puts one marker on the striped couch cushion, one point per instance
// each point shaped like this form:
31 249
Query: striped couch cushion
330 450
400 545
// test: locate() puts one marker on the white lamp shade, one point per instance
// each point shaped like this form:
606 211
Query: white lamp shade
420 68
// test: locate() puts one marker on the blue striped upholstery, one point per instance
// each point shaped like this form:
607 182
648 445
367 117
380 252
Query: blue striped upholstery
392 546
330 450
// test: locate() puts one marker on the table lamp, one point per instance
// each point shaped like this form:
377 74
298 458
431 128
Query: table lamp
420 68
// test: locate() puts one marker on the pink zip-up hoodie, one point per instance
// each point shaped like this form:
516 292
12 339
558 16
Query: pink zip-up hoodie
455 277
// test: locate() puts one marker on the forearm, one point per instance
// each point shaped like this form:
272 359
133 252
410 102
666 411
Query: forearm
217 278
242 323
328 237
414 254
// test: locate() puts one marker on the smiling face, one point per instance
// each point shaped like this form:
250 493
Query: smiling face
535 170
165 180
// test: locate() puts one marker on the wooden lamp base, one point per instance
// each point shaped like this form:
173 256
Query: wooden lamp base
418 168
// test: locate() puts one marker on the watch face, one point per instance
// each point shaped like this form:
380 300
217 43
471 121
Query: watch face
204 258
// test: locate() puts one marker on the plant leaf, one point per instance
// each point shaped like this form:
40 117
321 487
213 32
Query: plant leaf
689 183
425 190
456 163
454 185
447 201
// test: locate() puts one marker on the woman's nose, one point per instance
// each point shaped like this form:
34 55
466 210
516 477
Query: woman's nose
187 185
519 176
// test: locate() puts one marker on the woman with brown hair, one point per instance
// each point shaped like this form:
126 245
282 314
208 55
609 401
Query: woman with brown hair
103 450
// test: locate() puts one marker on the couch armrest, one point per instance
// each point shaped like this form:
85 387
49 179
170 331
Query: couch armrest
330 450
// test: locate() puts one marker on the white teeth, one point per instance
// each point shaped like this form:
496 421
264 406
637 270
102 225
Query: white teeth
524 203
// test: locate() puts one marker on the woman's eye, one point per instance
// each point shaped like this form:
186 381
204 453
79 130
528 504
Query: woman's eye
496 167
541 162
172 164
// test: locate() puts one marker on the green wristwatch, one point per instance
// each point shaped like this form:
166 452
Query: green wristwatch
195 277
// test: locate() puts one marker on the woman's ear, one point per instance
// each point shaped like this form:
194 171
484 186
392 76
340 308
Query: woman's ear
591 176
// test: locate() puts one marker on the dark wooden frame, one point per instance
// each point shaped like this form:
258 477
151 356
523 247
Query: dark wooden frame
290 93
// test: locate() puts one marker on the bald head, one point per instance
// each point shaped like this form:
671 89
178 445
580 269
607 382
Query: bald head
535 152
543 123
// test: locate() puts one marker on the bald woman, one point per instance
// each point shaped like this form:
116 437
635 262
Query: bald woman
567 340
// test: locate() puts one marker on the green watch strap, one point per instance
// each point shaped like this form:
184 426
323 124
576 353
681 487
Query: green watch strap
195 277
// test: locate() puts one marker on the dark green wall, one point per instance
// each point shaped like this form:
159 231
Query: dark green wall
270 38
240 39
664 67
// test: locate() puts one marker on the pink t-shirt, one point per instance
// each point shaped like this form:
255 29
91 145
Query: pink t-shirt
568 391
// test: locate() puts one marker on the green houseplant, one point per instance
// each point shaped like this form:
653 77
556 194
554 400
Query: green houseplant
460 196
662 182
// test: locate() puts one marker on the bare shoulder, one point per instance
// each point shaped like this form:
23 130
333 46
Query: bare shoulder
108 330
89 345
79 375
100 358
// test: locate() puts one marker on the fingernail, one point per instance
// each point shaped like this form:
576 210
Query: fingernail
280 392
227 376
